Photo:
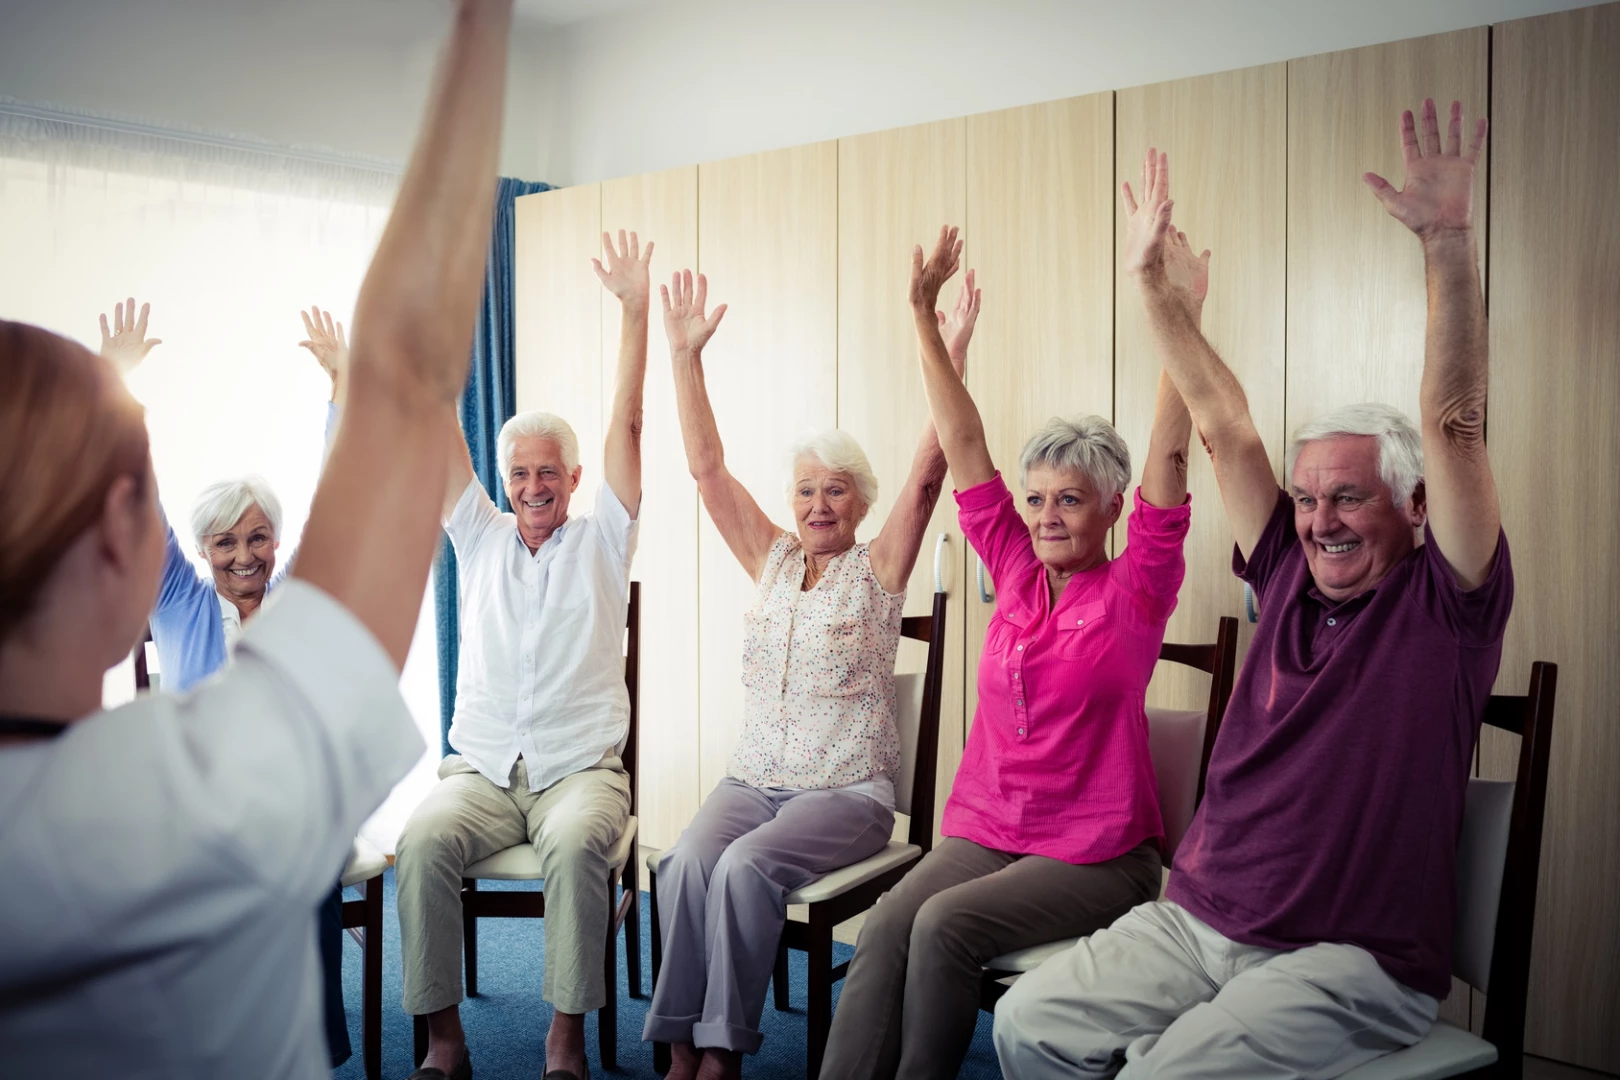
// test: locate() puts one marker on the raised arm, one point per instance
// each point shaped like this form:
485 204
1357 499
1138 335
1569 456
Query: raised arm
1164 472
327 343
385 479
1211 392
124 344
955 417
626 277
747 531
894 551
1437 204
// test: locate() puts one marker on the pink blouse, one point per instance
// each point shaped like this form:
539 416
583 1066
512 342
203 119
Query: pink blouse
1057 762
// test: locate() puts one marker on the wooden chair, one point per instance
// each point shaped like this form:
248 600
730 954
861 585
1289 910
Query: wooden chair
520 863
363 918
1180 741
1498 862
845 893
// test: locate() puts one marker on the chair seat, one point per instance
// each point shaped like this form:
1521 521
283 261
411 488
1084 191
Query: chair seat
520 863
365 862
842 880
1445 1051
1022 960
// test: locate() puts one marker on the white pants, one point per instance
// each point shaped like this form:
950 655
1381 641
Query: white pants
1162 994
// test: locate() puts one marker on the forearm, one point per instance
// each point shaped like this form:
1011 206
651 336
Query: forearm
705 455
958 428
1212 395
1164 473
1456 369
623 452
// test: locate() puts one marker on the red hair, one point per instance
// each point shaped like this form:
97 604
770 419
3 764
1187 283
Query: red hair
68 429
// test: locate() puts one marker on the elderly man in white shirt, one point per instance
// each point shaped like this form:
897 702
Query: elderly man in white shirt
541 707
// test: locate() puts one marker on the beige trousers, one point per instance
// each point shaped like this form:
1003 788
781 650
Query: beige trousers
573 825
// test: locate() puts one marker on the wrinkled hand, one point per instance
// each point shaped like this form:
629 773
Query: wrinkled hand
1437 199
626 275
928 278
957 327
327 343
125 344
1147 224
1186 273
684 322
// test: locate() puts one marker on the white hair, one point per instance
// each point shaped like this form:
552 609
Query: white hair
838 451
1400 447
1089 444
536 424
221 506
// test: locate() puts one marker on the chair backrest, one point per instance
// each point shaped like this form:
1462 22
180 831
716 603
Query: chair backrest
917 718
143 681
1498 862
1180 740
632 683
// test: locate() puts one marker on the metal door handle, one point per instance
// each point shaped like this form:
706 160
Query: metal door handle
939 561
985 595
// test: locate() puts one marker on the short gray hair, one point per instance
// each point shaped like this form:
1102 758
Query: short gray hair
1087 443
838 451
1400 447
541 425
221 506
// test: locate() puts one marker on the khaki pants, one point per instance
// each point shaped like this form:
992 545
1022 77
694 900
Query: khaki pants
573 825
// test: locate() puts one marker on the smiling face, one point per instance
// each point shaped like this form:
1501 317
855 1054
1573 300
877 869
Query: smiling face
827 507
538 486
243 557
1068 518
1345 517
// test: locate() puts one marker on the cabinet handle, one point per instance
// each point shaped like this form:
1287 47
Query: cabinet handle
985 595
939 561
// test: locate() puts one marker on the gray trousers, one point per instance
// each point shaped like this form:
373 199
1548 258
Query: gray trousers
911 998
573 825
722 901
1162 994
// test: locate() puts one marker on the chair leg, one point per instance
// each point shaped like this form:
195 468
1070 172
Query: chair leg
420 1037
469 935
632 927
820 1004
371 992
607 1019
779 978
660 1049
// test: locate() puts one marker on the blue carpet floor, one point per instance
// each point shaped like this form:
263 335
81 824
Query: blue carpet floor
506 1024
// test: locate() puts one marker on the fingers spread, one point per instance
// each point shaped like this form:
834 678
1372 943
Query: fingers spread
646 252
1409 142
1431 128
1126 197
663 292
1478 144
1454 130
105 331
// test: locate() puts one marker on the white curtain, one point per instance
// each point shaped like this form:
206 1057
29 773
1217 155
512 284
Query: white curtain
227 240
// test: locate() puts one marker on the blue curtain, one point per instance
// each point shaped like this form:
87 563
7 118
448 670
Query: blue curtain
486 404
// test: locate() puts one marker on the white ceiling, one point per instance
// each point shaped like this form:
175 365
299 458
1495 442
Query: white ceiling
563 12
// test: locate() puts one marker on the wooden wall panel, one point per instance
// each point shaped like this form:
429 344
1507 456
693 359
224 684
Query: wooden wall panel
662 207
558 324
895 189
1555 395
1227 139
1039 230
1356 301
768 241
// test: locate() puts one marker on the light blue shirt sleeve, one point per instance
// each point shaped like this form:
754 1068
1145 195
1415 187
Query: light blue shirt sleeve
186 624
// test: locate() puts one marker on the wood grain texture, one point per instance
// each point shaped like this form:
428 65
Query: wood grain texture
1555 395
558 321
662 207
1039 229
895 189
768 241
1356 301
1226 136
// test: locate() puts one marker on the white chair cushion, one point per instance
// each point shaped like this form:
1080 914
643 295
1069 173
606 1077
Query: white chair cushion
1176 743
1031 958
841 881
1444 1051
520 863
365 862
908 695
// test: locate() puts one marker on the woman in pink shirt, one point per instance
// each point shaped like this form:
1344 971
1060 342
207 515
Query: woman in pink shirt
1052 828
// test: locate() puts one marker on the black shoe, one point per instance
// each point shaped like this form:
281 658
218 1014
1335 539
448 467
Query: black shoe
460 1072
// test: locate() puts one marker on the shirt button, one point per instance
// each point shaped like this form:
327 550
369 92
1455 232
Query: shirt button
1020 731
1333 622
1020 702
1020 648
528 660
1079 622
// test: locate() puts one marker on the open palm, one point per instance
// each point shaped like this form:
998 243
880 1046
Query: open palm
1438 195
685 324
627 273
124 344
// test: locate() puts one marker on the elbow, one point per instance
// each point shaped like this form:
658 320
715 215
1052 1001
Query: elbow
1459 425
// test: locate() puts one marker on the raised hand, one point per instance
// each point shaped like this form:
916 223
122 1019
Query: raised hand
327 343
928 278
957 328
626 274
1186 273
125 344
685 324
1437 199
1147 224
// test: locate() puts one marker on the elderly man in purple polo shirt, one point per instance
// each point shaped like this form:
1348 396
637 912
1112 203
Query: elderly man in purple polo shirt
1308 923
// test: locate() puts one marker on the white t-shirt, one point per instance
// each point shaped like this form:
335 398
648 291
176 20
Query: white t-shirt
541 666
159 861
